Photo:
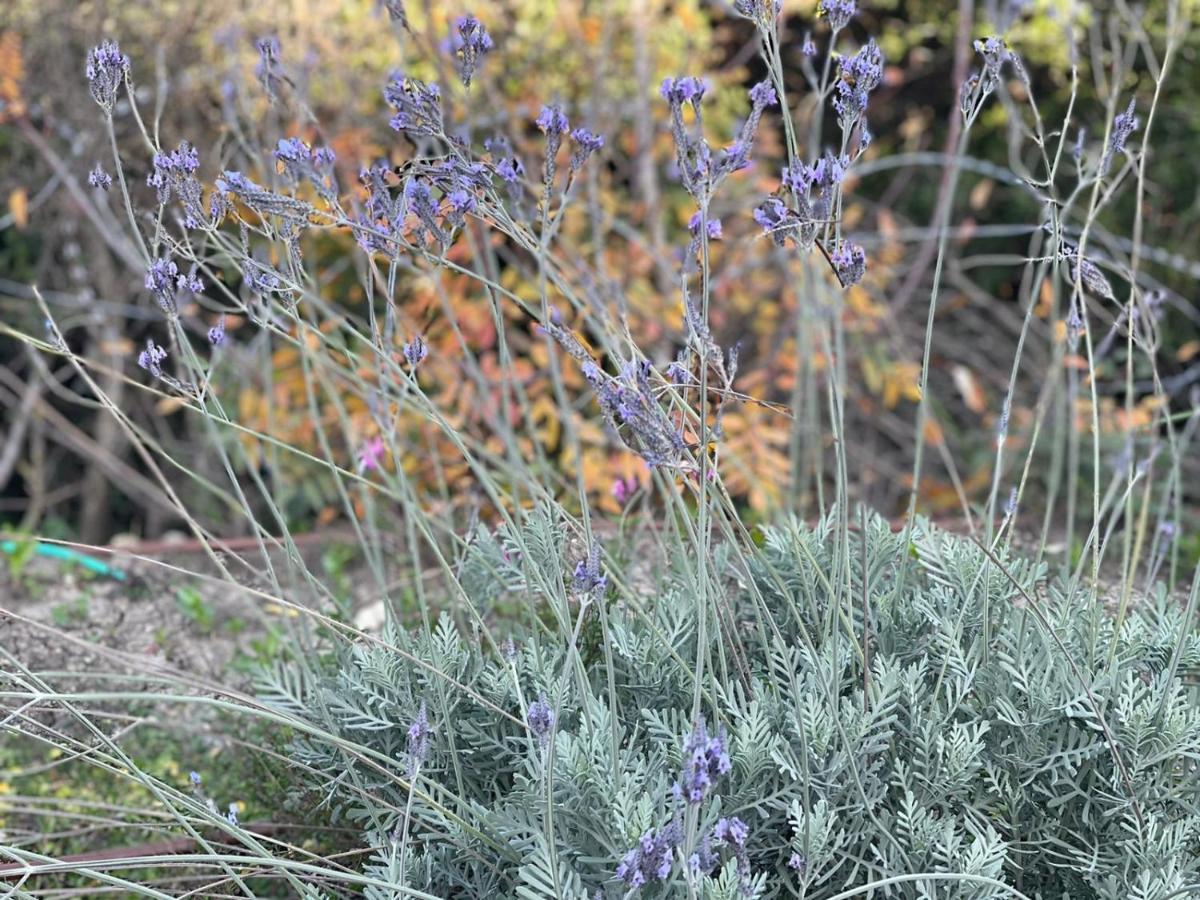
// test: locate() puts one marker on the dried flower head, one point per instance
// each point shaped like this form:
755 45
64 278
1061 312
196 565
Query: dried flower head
711 226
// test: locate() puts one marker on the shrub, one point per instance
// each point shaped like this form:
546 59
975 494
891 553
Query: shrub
984 723
689 706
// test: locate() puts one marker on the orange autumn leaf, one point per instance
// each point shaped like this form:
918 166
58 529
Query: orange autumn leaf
18 207
934 435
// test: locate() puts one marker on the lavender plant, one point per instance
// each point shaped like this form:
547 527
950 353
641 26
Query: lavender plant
680 705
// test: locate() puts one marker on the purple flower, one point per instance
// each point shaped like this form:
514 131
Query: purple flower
460 201
552 120
623 489
864 137
651 858
586 143
509 649
418 740
216 334
510 170
850 261
796 862
1077 150
587 575
151 359
704 761
190 282
1010 505
106 68
809 49
858 75
732 831
416 350
471 44
705 859
160 281
838 12
98 178
677 91
763 95
232 815
418 105
712 226
174 174
677 371
776 220
1123 126
371 455
261 279
194 778
541 720
301 163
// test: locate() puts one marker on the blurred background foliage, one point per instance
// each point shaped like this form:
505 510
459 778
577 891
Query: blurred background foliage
193 63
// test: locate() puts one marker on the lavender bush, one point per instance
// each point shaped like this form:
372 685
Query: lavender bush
669 702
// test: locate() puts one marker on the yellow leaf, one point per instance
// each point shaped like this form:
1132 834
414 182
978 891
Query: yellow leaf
18 207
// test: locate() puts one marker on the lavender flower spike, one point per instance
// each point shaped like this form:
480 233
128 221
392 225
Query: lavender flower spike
850 260
704 761
416 350
98 178
838 12
151 359
418 740
541 720
107 68
418 105
651 858
471 44
1124 125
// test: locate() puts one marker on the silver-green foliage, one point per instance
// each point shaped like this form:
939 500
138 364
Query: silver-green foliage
1058 759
